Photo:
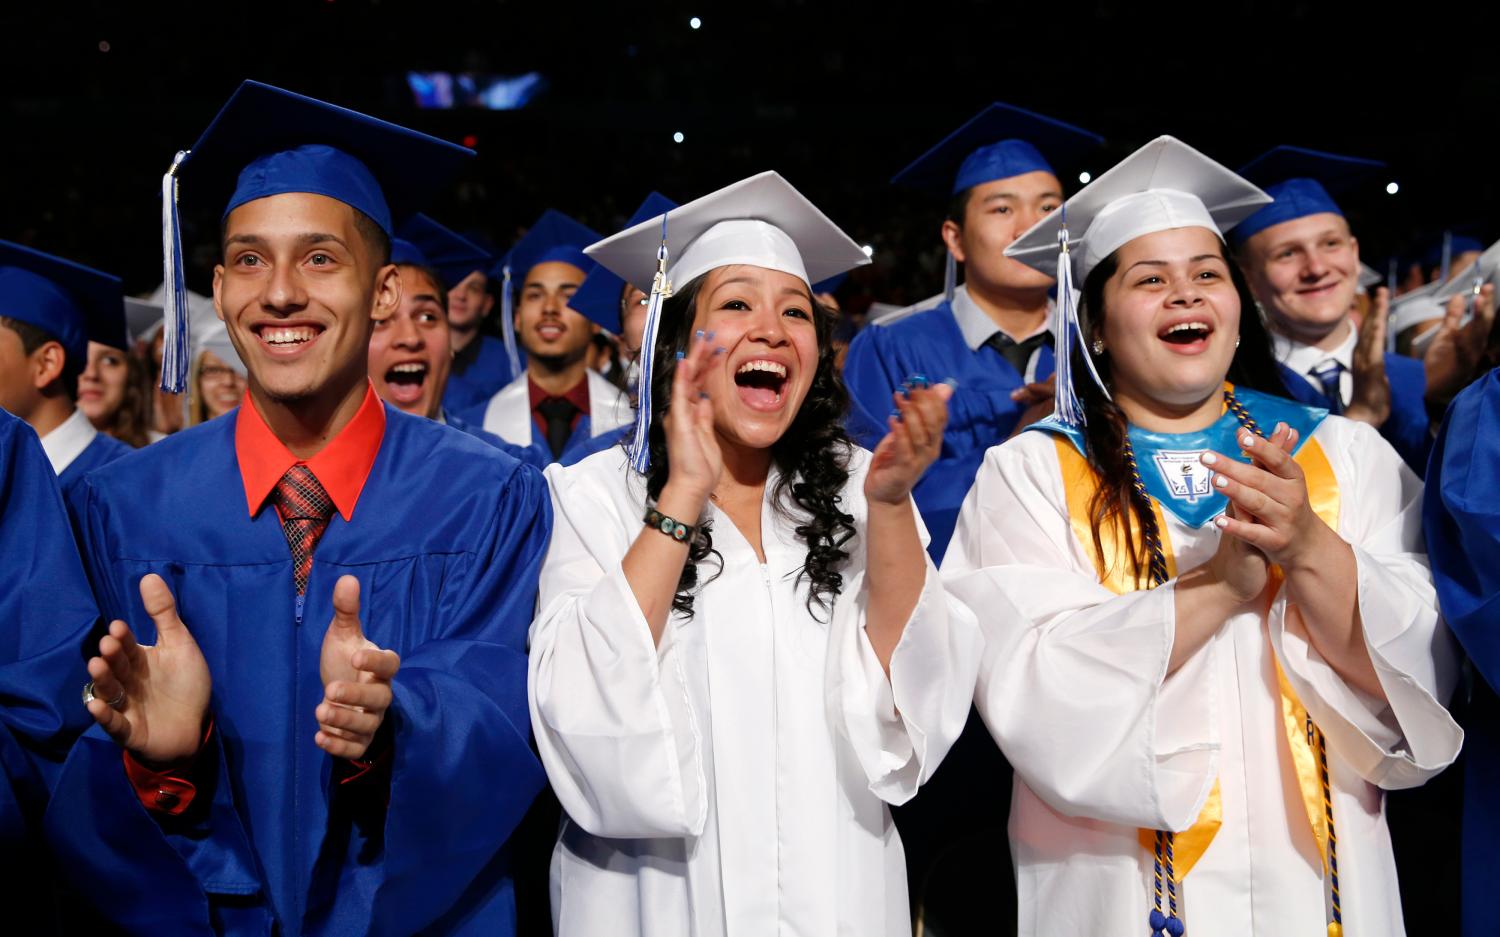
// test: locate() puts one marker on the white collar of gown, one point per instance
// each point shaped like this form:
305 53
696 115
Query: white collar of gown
508 414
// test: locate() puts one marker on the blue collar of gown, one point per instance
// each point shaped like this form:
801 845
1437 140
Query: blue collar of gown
1170 463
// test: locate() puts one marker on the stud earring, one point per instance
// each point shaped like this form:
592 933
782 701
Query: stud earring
1098 346
1236 341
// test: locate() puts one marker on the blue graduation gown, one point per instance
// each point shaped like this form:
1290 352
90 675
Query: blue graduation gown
1407 428
447 541
527 454
102 451
980 415
581 443
486 373
1461 515
48 613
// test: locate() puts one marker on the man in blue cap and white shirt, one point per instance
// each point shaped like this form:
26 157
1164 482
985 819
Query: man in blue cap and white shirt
1302 264
990 334
327 731
559 404
50 309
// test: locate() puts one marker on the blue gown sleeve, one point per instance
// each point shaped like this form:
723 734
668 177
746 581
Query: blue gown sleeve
872 374
1407 428
463 771
49 613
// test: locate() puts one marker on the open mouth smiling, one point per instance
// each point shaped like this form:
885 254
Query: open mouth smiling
1187 336
761 383
406 380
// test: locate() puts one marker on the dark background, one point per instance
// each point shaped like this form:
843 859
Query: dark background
835 96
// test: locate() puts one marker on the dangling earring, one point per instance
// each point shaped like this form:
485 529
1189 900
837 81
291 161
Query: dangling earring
1098 346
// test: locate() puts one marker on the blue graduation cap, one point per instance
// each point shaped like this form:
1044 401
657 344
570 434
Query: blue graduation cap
999 142
422 241
266 141
1300 181
554 237
73 303
599 296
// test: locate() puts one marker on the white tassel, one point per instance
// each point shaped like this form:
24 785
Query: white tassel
508 323
661 288
175 337
1067 332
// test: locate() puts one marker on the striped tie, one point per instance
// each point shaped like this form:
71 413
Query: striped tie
1327 375
305 509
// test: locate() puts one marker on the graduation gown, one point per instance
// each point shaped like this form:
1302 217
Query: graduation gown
446 540
478 372
735 779
527 454
1074 688
1462 519
1407 428
48 613
508 415
980 415
84 450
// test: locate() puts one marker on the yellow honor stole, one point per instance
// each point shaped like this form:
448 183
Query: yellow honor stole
1181 851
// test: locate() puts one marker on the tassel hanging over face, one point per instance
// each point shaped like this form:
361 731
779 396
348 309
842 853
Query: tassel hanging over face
661 288
175 337
508 323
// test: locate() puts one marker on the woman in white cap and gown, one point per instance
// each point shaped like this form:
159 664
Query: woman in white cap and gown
1211 635
743 653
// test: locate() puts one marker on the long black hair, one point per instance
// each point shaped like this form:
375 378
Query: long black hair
812 457
1253 366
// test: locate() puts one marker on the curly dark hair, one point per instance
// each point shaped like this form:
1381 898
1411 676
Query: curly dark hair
1253 366
812 457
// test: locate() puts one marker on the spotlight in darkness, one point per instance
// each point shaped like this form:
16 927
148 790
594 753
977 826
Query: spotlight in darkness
103 45
1085 178
695 23
1391 188
678 137
869 250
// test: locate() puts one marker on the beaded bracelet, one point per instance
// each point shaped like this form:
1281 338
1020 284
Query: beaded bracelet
670 526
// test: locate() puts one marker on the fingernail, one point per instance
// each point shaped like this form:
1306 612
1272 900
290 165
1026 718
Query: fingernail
920 380
698 334
896 415
1209 458
702 395
1246 441
720 350
710 336
1221 481
951 382
1281 427
1221 522
681 355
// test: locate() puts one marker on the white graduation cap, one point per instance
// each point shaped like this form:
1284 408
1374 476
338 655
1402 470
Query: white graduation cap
760 221
1369 277
143 318
1165 184
1415 307
1484 269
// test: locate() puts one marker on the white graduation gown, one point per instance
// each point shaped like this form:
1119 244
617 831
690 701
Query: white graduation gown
1073 687
508 413
734 780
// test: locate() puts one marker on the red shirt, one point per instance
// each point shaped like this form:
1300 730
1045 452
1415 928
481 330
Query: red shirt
578 396
342 467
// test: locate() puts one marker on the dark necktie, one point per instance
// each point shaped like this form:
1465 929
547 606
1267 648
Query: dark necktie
1018 354
559 413
305 509
1327 375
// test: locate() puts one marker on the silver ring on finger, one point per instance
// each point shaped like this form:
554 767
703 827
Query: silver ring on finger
89 696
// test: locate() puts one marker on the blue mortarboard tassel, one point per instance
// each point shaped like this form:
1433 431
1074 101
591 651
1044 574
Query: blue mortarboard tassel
174 350
1067 409
1447 257
950 276
661 288
508 321
1390 292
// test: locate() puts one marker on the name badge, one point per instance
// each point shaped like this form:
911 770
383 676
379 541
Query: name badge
1186 477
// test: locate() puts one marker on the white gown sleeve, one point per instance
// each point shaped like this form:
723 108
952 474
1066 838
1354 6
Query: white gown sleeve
1408 737
610 709
1073 681
900 728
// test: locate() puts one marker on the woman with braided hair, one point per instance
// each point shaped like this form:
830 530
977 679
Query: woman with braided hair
1212 638
728 696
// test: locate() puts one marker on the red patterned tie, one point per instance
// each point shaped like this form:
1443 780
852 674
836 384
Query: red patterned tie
305 509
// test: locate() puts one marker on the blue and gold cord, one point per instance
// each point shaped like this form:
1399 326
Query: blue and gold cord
1169 923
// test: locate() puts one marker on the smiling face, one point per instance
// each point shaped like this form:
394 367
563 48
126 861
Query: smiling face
101 386
1172 319
469 301
411 352
545 326
996 214
220 387
1304 273
298 290
763 319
